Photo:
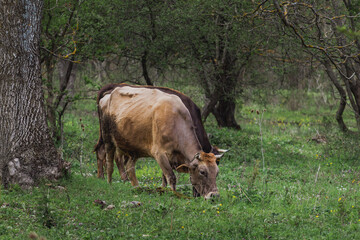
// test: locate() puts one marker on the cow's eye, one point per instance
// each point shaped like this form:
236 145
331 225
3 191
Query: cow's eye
202 172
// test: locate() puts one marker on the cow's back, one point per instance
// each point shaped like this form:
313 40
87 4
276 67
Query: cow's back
138 118
189 104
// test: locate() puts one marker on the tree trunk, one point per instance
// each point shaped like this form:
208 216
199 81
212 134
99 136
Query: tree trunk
224 113
67 76
353 89
50 110
209 106
145 69
222 101
27 153
348 69
342 93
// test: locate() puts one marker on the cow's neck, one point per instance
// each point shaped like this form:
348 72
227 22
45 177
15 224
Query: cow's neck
192 150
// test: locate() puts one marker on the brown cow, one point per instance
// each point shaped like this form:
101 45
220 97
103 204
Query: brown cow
145 122
190 105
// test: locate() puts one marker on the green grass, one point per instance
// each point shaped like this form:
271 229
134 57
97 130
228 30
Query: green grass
301 189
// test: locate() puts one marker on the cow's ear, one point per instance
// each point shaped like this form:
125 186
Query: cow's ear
218 158
183 168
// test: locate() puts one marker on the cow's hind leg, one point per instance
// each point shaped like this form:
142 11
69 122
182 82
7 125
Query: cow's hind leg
110 151
100 166
101 160
130 169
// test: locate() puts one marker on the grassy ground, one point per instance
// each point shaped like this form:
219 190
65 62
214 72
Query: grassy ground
296 178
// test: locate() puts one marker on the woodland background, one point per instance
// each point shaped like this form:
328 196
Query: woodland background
278 83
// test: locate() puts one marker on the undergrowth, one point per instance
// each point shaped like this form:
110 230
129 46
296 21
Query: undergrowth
305 185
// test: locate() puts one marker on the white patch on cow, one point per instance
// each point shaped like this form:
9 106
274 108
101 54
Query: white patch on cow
104 101
130 90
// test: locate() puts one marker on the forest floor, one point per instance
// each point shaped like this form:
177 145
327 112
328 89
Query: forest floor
288 175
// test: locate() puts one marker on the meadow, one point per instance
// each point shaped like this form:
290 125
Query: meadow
288 175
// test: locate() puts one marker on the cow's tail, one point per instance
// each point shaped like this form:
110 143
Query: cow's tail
100 141
102 92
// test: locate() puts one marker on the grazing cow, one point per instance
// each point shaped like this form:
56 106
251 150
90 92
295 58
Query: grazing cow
147 122
189 104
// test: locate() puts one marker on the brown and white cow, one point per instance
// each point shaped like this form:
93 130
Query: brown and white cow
189 104
146 122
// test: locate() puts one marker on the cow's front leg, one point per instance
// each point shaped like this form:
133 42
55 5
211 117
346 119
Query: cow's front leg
120 159
164 182
170 177
130 169
110 151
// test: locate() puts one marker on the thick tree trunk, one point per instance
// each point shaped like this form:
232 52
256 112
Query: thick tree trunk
222 101
222 105
224 113
209 107
27 153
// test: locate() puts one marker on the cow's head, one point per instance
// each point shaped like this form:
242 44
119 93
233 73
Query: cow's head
203 172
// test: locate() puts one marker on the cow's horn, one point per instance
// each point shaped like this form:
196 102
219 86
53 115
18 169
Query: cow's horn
218 156
222 150
197 156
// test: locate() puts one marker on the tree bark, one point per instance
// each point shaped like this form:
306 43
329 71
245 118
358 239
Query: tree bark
353 90
222 101
27 152
348 69
67 76
209 106
50 110
342 93
225 113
